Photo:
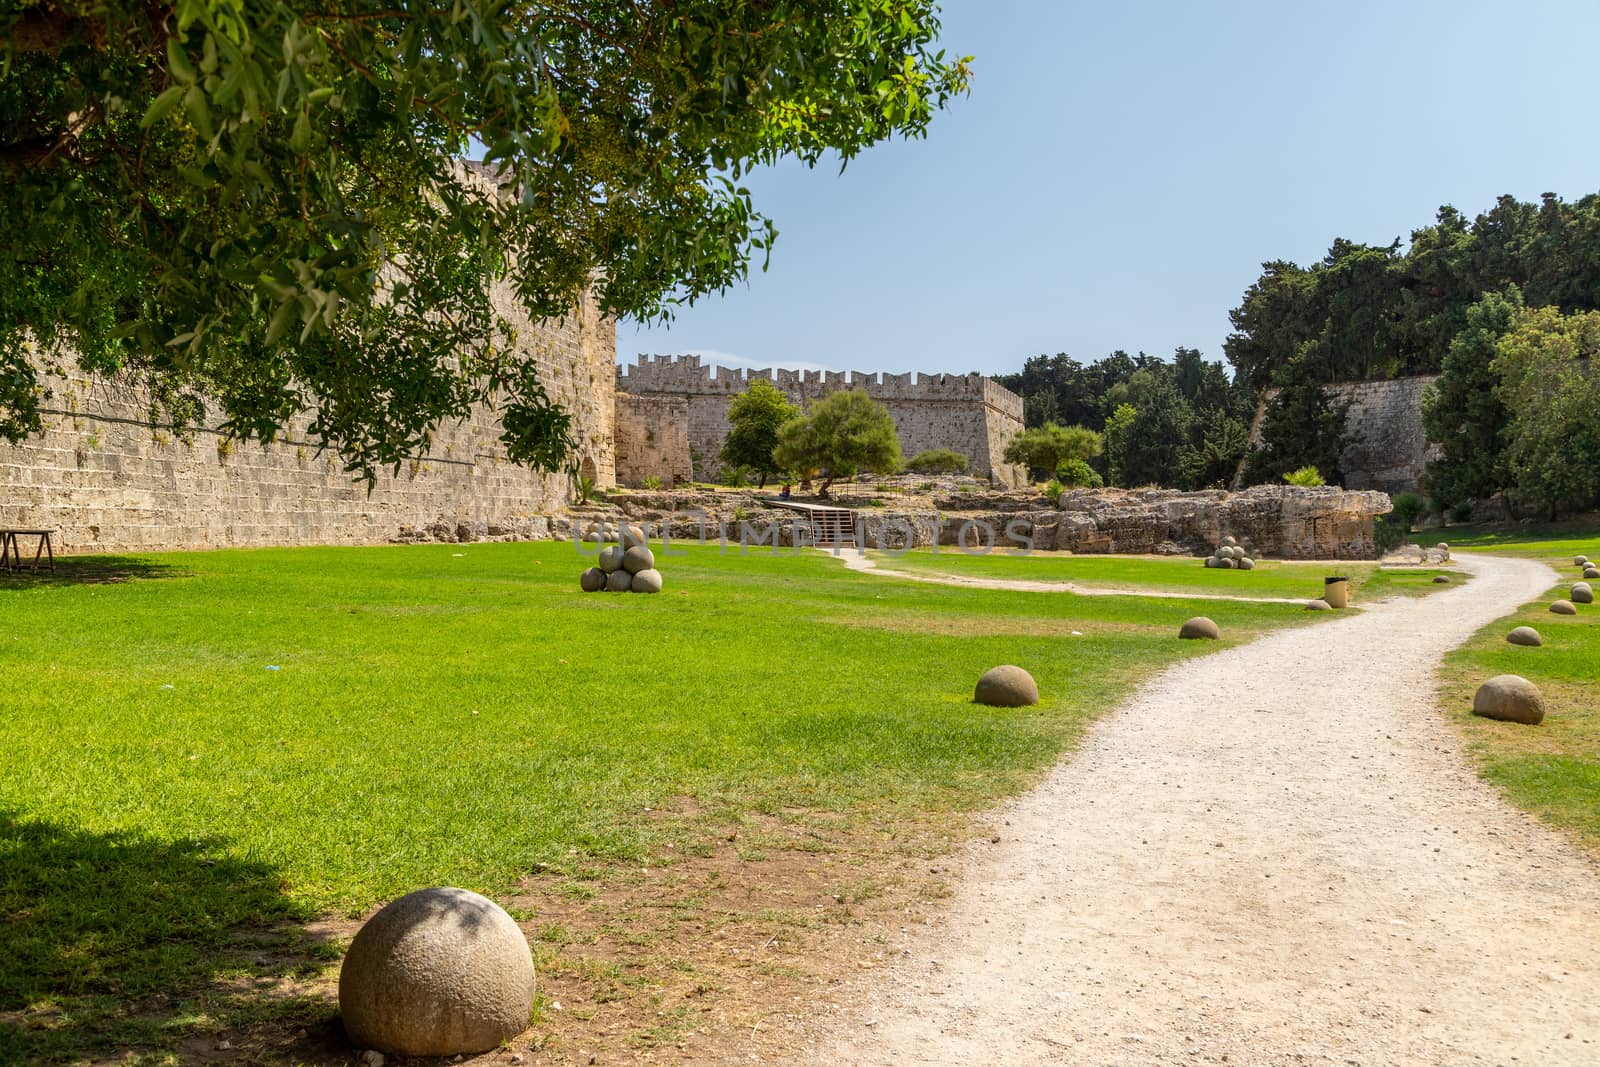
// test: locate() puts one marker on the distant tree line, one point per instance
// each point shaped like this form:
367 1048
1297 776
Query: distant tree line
1443 304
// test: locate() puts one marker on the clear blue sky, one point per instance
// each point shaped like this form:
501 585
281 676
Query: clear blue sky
1121 170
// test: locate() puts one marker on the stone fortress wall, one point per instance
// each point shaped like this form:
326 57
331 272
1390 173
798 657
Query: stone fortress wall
101 477
1387 449
967 413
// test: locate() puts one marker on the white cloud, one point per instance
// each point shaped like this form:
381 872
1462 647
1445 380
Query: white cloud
728 359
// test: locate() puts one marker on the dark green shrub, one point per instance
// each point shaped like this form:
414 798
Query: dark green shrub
1408 508
938 461
1077 474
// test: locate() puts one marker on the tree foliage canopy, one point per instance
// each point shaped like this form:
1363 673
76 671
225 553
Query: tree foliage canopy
1462 412
259 202
1044 448
1550 387
844 434
755 417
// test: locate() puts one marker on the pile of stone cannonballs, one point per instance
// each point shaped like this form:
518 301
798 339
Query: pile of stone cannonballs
1229 556
629 567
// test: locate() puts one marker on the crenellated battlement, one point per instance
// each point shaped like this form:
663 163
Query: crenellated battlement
965 412
686 375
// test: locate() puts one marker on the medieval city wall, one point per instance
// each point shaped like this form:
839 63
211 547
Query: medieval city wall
967 413
1387 449
653 440
107 482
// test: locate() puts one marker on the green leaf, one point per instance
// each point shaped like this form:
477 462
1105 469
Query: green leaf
281 322
178 64
161 106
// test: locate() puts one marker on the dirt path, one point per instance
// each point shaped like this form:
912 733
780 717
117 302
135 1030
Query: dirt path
867 565
1274 855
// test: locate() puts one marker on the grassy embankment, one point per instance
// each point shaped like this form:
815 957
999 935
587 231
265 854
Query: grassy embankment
1552 770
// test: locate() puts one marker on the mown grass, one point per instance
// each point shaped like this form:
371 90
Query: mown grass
203 752
1270 578
1553 769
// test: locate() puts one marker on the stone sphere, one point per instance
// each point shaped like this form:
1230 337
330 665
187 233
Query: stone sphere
1211 561
1006 686
610 558
633 535
1247 564
1229 541
1442 547
1199 628
1563 607
436 973
1318 605
638 558
1582 593
619 581
1509 698
1226 564
646 581
1525 636
592 580
1578 561
1591 572
1441 579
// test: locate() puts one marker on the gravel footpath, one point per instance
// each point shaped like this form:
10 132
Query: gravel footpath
867 565
1274 855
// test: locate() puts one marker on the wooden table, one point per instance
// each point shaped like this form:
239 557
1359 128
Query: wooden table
11 553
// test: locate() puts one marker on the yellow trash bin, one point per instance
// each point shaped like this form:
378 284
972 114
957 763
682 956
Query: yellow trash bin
1336 591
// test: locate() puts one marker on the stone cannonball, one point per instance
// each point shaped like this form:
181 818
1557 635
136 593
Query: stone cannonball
1582 593
1211 561
633 535
1006 686
1441 579
1563 607
1526 636
646 581
1318 605
1247 564
1578 561
436 973
619 581
592 580
1228 541
1442 547
638 558
1591 572
610 558
1509 698
1199 628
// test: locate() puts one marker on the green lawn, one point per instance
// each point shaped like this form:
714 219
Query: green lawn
203 751
1552 769
1270 578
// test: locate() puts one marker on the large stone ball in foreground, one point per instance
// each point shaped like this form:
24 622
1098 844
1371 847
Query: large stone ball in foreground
638 558
646 581
1525 636
619 581
1563 607
1582 593
592 580
1318 605
1199 628
1006 686
610 558
1509 698
436 973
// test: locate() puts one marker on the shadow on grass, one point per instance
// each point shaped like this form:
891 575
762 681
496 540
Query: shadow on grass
110 942
87 570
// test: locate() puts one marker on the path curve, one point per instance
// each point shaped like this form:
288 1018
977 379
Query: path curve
867 565
1273 855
